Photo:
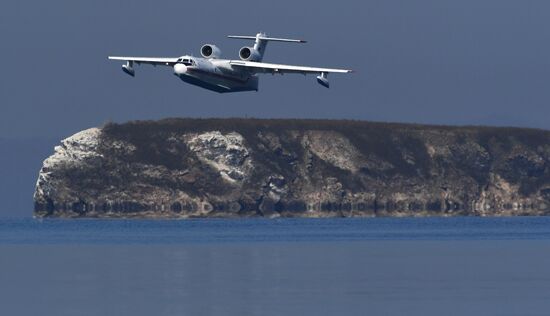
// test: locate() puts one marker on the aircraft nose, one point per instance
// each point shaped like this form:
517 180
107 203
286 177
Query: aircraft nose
180 69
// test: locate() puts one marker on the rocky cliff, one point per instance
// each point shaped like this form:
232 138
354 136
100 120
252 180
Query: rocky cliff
309 168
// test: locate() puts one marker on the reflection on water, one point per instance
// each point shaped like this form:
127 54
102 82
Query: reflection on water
275 276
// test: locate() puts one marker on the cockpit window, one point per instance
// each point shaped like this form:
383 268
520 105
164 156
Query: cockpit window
187 62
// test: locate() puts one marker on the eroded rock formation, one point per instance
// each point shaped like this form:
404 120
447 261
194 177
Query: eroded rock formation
309 168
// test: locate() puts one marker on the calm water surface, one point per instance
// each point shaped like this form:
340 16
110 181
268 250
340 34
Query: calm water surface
384 266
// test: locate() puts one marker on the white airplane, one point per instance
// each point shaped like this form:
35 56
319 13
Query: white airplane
226 75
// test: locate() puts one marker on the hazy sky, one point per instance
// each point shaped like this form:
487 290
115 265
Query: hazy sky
429 61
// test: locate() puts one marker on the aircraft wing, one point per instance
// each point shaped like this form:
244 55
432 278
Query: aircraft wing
168 61
259 67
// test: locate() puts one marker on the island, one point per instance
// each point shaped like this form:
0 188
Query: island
187 168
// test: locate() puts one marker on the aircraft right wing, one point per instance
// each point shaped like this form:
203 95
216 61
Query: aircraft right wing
167 61
129 66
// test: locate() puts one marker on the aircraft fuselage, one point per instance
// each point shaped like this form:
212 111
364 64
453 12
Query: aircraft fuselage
214 74
225 75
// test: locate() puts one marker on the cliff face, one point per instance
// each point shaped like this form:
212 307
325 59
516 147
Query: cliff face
249 167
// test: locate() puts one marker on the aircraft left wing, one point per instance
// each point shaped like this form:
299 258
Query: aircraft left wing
258 67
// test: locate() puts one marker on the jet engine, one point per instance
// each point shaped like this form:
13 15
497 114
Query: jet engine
250 54
210 51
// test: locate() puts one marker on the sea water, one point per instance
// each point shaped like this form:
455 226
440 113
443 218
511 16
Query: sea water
370 266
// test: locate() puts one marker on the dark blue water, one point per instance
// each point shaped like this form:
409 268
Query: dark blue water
91 231
377 266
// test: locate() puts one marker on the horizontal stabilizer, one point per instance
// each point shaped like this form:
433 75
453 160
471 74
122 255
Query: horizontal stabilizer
264 38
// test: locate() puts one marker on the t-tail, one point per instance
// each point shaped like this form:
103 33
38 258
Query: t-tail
256 53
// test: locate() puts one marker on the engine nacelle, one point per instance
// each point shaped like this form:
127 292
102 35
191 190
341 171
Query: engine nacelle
210 51
250 54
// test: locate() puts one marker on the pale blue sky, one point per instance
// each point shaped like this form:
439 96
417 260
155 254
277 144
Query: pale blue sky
424 61
429 61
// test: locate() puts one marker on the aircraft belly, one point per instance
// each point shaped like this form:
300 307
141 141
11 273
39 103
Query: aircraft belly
197 82
220 83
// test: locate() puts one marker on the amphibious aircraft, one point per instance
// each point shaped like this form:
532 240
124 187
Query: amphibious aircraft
227 75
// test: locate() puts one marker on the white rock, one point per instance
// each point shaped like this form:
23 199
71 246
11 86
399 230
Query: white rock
226 153
76 148
80 147
334 148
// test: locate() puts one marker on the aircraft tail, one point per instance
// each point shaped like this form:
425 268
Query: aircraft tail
260 42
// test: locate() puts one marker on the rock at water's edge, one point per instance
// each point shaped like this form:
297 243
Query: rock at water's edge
301 168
